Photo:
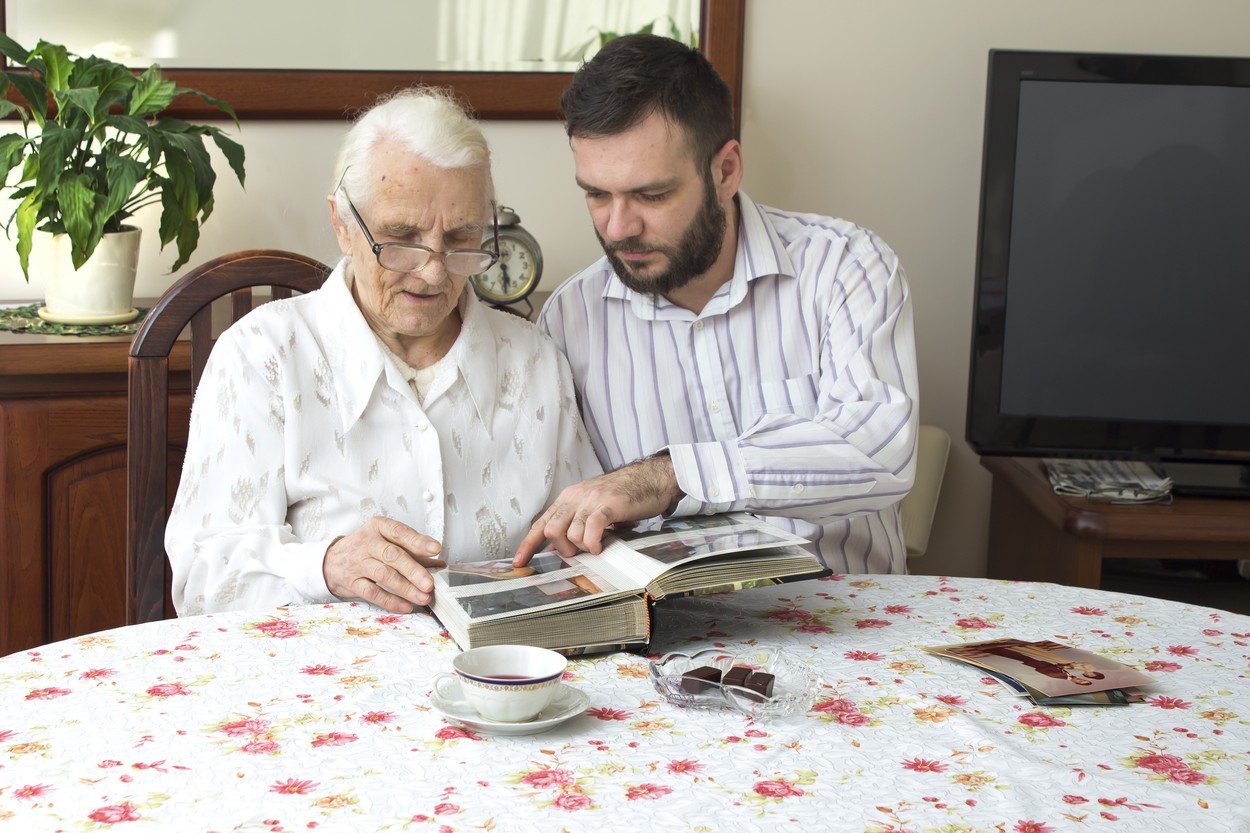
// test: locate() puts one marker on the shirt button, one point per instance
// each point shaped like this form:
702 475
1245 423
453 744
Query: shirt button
797 488
698 325
427 496
421 426
713 491
714 407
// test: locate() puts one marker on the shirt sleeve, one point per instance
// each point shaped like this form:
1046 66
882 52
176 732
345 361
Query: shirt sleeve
229 544
855 453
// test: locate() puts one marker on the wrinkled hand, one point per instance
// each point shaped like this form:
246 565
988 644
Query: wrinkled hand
383 562
577 519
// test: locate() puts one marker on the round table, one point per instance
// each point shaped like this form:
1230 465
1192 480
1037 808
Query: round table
317 718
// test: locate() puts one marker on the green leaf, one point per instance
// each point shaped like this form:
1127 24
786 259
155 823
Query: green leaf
151 94
123 176
188 164
232 150
208 99
27 215
57 65
129 124
77 200
13 50
55 146
7 108
35 93
11 150
84 100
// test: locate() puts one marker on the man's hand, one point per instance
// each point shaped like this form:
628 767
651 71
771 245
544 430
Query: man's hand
580 515
383 562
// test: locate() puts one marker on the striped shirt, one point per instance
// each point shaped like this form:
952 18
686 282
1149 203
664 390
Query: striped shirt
791 395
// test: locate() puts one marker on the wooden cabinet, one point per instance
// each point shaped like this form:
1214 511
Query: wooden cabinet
63 483
1037 535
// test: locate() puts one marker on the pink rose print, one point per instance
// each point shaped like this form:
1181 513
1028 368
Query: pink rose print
169 690
813 627
1182 651
5 734
897 610
243 728
451 733
96 673
974 623
790 615
604 713
334 739
1160 763
867 624
446 809
47 693
684 766
1089 611
544 778
279 628
1032 827
1040 721
293 787
864 656
1192 777
31 791
650 792
1075 799
924 765
951 699
777 789
319 670
377 717
854 719
1168 703
114 813
1162 666
260 747
573 801
390 619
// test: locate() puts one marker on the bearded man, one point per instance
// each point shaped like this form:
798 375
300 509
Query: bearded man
727 356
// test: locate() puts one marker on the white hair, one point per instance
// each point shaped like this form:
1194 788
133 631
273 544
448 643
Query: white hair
429 122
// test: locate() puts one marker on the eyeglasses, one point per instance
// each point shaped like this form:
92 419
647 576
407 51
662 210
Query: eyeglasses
413 257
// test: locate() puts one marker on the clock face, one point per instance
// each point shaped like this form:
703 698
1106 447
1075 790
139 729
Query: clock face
513 275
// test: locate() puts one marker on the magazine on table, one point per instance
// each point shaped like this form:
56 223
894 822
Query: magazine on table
587 603
1049 673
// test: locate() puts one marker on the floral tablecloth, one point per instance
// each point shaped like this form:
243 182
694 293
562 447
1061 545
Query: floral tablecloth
317 718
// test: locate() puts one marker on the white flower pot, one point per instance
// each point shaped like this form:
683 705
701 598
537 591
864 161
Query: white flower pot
101 292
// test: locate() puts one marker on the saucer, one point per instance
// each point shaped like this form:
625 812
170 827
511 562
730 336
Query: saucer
108 318
567 703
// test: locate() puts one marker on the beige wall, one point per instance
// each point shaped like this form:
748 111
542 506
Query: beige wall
869 109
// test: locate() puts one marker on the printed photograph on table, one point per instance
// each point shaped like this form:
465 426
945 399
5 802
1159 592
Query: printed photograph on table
1050 668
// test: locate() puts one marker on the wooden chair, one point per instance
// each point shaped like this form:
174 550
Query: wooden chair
189 301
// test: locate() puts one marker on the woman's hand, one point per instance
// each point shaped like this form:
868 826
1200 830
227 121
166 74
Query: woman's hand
383 562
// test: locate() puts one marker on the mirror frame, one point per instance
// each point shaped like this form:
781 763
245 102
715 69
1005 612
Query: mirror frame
339 94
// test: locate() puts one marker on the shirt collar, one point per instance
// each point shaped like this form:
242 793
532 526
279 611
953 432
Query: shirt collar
760 253
357 359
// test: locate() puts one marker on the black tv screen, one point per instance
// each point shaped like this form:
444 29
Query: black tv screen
1112 312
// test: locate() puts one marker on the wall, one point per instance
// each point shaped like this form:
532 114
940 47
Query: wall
869 110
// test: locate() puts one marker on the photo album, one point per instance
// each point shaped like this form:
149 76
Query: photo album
591 603
1051 674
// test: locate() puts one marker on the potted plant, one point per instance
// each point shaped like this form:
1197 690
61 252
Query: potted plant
93 149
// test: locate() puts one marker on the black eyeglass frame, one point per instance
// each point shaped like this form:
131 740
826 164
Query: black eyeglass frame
378 248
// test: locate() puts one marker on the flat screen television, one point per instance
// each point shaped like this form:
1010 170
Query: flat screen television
1112 308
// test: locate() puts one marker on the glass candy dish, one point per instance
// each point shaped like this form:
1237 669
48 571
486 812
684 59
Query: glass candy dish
794 687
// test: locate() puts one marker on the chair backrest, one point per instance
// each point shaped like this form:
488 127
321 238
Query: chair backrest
933 446
187 302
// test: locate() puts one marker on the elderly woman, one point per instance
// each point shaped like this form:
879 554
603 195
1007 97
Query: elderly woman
344 442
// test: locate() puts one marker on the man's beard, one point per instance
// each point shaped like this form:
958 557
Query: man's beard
693 254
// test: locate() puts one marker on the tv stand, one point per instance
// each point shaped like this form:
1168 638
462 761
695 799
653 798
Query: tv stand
1037 535
1208 479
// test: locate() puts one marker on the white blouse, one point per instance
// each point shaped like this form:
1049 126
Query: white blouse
302 429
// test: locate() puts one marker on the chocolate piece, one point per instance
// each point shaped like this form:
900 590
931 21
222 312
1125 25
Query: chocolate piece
761 683
736 676
700 679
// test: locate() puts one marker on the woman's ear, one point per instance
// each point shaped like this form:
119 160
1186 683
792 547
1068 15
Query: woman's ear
342 232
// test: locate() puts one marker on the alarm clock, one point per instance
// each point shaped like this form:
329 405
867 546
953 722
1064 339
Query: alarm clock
520 265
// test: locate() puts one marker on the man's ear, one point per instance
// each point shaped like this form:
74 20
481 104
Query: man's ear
342 232
727 169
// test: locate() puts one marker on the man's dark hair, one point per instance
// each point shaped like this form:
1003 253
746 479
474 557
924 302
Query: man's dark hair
634 76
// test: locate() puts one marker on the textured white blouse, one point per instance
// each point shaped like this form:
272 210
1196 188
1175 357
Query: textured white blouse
303 428
792 394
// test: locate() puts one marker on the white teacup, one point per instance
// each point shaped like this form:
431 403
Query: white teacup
507 683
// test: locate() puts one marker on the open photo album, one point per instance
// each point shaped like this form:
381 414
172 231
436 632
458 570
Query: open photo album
589 603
